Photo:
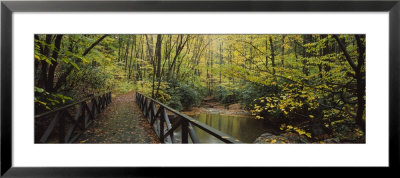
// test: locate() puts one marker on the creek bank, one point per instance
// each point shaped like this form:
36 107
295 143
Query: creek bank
214 107
269 138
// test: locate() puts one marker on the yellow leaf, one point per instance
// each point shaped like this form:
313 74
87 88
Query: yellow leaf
311 116
273 141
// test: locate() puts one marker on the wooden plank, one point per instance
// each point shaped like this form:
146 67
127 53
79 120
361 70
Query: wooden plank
98 105
149 111
51 127
61 128
74 119
90 115
94 108
73 139
84 116
153 115
169 126
161 130
185 131
174 127
76 123
158 126
193 134
146 106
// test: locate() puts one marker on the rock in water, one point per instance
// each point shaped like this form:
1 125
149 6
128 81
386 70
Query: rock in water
269 138
332 140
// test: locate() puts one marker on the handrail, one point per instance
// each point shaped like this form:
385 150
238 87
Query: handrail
66 122
146 104
69 105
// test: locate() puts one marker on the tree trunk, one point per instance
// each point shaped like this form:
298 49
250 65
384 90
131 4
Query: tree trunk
158 58
266 50
44 65
272 55
50 77
283 51
220 63
306 39
119 48
127 53
359 76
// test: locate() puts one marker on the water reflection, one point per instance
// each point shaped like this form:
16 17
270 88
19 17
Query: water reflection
246 129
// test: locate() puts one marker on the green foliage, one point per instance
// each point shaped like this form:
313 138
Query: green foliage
125 87
182 96
175 102
47 101
227 94
88 80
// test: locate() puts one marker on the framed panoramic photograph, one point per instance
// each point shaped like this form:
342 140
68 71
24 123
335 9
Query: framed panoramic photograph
113 88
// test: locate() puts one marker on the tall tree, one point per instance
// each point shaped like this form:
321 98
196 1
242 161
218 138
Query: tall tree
359 74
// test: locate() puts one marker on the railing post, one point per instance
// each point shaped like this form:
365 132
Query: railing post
61 128
153 111
83 116
185 131
103 102
144 101
110 96
192 134
145 107
136 98
148 113
140 102
93 102
162 128
98 104
168 124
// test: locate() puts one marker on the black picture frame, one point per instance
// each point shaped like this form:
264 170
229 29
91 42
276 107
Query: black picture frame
8 7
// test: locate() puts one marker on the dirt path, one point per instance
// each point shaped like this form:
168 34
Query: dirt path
121 122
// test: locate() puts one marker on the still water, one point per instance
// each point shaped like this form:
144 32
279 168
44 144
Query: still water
244 128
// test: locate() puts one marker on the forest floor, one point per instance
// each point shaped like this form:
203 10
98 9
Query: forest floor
214 107
121 122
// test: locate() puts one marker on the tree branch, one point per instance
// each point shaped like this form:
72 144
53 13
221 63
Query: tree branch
346 54
93 45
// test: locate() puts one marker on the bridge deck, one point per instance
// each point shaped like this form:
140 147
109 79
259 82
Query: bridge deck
119 123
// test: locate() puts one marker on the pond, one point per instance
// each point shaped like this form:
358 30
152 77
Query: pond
244 128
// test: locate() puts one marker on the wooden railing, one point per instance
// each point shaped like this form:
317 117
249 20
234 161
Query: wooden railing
60 124
156 113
